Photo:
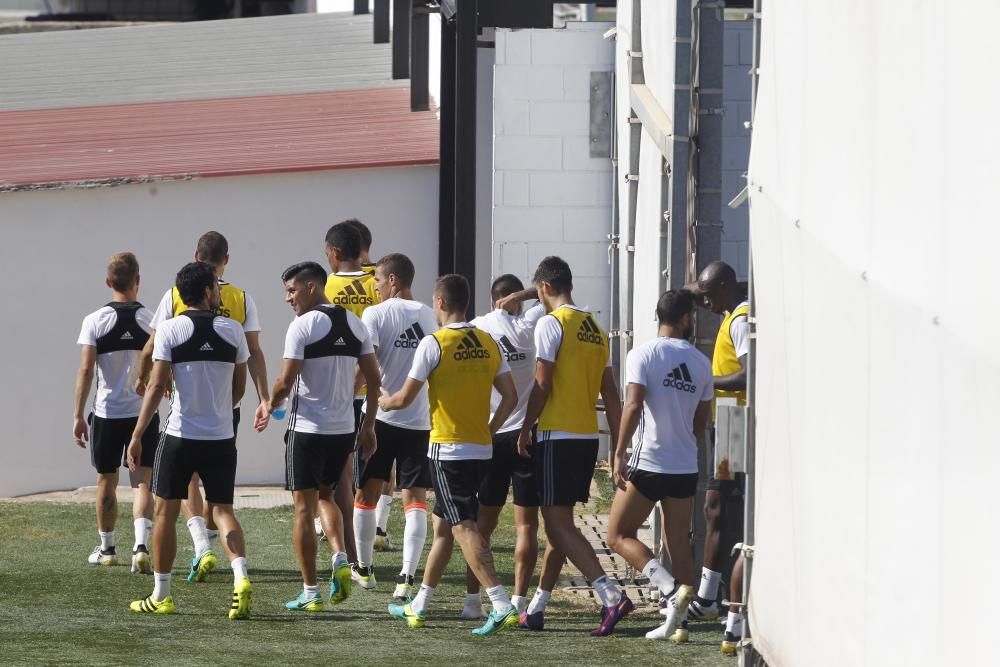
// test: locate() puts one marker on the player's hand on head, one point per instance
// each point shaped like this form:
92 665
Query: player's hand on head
134 454
80 432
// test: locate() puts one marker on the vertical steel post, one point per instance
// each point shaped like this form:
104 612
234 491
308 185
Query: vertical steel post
420 59
360 6
466 72
380 22
402 10
446 178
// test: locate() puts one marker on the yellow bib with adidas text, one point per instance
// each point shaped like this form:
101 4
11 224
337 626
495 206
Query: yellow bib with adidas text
576 381
355 293
459 388
724 359
233 306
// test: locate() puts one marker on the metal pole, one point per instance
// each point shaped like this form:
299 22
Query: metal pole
360 6
402 10
419 59
466 67
446 178
380 22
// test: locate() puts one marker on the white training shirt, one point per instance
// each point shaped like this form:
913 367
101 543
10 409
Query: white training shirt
117 372
201 406
425 360
515 334
396 328
323 397
165 311
548 338
677 377
739 331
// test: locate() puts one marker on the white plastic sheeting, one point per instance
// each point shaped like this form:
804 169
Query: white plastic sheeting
874 225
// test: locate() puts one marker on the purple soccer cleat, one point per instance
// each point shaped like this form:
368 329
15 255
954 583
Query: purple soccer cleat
611 615
534 621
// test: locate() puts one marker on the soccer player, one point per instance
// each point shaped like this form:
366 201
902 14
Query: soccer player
460 364
573 366
207 356
351 287
112 339
396 326
720 293
514 332
324 346
670 391
235 304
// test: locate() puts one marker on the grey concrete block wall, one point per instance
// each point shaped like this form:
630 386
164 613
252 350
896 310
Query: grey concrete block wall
737 60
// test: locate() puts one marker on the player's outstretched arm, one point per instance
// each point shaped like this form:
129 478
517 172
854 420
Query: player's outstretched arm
504 384
145 364
290 369
239 383
402 398
84 378
258 374
157 384
734 381
635 395
612 404
368 366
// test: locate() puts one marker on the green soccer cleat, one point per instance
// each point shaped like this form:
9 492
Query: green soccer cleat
405 612
148 605
303 603
201 566
340 584
496 622
241 600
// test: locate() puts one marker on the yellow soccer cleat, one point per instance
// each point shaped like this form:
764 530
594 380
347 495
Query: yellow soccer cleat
730 644
148 605
405 612
240 608
201 566
340 584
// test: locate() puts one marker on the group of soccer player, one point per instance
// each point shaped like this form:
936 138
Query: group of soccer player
375 382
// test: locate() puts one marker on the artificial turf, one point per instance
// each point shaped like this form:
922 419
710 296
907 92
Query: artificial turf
55 609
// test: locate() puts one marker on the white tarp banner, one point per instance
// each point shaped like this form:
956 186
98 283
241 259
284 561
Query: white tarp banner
874 222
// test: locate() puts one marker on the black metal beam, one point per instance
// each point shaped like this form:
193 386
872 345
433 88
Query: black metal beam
466 72
360 6
420 59
446 187
380 22
402 10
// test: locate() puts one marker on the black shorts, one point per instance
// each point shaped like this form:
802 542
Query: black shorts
407 448
313 460
236 420
179 458
109 439
456 489
508 468
657 485
564 469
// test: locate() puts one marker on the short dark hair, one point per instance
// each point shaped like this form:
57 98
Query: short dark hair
674 305
346 238
399 264
303 272
366 234
505 285
454 291
123 269
192 281
213 248
554 271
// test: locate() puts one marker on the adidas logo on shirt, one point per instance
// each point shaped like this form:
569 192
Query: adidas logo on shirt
510 351
471 348
127 336
680 378
353 294
207 348
589 333
339 341
411 337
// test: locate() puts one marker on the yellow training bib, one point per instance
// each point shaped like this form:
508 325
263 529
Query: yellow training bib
233 306
355 293
576 381
724 359
459 388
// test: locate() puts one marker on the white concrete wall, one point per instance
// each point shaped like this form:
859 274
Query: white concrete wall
549 196
57 245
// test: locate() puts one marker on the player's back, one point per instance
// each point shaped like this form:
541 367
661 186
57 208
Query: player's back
118 331
460 385
354 290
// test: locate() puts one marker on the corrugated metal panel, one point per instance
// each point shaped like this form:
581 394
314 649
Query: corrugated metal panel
190 61
222 137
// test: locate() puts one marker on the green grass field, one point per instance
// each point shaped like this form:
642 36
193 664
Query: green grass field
55 609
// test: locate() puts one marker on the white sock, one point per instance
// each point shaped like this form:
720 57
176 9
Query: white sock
107 540
424 596
500 599
520 603
364 533
239 566
161 585
382 512
607 590
199 534
310 591
414 536
539 601
473 601
734 624
142 528
659 576
709 587
338 559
